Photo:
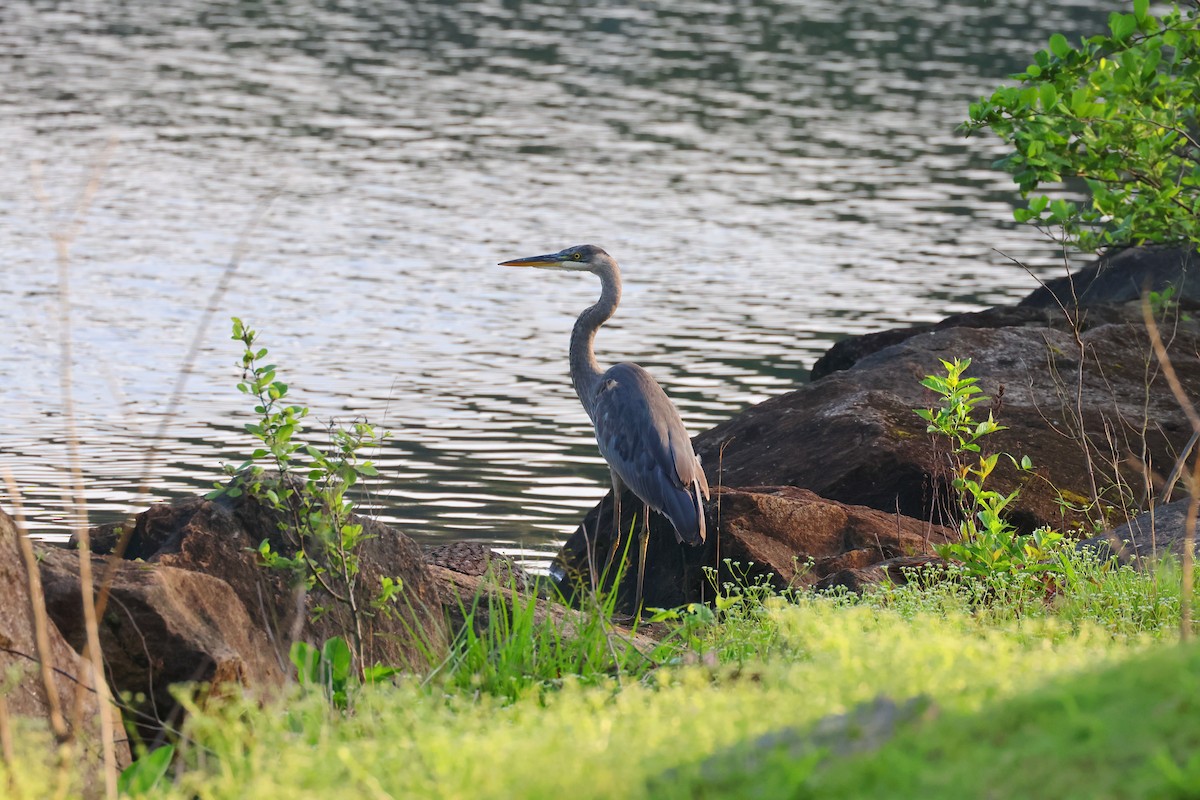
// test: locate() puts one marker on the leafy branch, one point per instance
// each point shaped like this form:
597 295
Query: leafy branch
317 514
1119 111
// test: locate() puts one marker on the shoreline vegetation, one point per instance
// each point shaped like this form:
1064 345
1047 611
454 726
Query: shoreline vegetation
958 563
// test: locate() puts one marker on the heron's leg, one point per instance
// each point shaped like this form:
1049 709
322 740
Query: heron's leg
618 490
644 539
590 546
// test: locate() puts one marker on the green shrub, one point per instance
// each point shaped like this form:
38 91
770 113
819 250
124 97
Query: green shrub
990 544
309 488
1117 111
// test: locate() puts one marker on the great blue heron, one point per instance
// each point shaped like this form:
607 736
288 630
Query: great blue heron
638 429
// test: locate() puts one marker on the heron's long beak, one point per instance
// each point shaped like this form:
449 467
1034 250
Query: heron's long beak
551 260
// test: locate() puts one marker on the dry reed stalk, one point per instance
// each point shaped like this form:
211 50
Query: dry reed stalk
7 753
37 610
63 239
1189 528
96 604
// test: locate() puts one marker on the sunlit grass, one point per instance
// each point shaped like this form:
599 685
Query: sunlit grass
598 741
1124 730
1010 675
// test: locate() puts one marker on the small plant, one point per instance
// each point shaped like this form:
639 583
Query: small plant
739 624
330 668
508 645
316 511
1164 304
989 543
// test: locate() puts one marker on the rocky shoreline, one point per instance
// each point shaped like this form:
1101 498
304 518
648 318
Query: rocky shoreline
834 484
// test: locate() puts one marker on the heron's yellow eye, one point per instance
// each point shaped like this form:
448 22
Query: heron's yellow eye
577 256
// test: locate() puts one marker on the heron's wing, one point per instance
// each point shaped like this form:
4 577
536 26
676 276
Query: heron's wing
644 441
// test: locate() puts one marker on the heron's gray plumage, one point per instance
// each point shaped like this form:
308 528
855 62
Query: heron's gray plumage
643 439
638 429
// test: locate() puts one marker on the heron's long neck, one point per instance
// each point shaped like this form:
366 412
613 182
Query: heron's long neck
585 372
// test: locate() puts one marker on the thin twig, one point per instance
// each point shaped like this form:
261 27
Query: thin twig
720 491
37 611
1189 410
7 752
63 239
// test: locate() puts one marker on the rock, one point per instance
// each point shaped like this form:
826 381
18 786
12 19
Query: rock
1121 277
1145 538
786 536
221 537
18 653
894 570
853 436
849 351
477 560
165 626
199 605
1106 292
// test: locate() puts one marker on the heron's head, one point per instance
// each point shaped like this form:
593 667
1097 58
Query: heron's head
581 258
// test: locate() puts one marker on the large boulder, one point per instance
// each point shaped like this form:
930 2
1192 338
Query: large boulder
221 538
193 602
19 655
1147 537
849 351
1094 415
782 535
1106 292
1121 277
165 626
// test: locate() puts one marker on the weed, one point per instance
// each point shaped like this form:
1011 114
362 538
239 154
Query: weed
739 624
316 512
990 544
509 644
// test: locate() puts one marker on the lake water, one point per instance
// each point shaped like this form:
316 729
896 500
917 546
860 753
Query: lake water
771 175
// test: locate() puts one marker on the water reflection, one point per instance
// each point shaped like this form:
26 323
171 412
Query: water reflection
771 175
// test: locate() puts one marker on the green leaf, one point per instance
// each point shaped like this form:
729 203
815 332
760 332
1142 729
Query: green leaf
378 673
336 655
1048 95
144 774
1122 25
1140 8
307 660
1059 45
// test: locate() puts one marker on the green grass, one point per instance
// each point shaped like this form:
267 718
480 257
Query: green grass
1082 696
1127 730
595 741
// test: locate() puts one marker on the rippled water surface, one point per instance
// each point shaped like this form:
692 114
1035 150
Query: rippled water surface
771 176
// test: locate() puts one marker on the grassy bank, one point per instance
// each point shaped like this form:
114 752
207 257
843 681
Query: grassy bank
1086 695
